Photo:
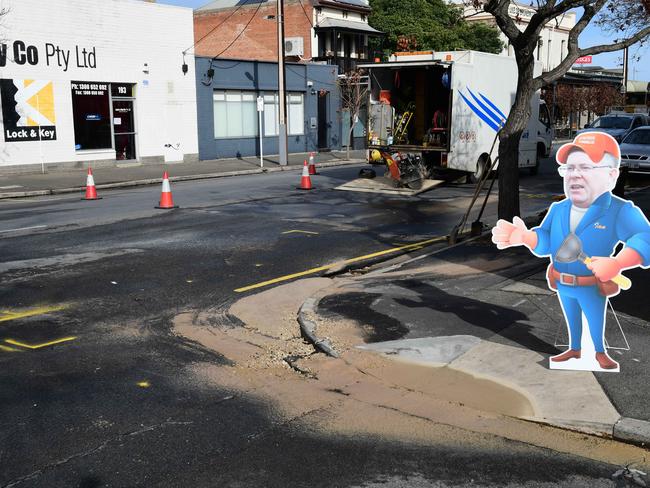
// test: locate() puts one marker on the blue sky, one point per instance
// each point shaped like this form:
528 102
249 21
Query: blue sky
638 69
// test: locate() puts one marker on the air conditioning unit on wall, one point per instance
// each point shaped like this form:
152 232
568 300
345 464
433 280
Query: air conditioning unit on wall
293 46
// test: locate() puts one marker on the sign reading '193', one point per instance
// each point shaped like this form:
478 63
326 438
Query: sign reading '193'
23 53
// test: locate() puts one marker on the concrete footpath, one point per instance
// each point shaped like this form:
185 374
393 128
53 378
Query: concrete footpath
475 310
17 185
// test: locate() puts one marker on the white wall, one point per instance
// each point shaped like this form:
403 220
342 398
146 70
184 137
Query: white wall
125 34
554 35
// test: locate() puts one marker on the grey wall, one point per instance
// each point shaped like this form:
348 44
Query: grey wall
263 76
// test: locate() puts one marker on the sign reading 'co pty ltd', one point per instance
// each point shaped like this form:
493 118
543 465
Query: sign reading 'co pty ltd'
23 53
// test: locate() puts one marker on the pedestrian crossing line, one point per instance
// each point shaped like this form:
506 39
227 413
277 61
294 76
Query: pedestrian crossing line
39 346
6 315
407 247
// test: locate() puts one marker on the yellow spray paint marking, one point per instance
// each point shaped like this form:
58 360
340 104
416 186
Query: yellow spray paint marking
409 247
143 384
39 346
6 315
300 232
8 349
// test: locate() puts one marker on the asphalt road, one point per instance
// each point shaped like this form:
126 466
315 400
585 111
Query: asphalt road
91 386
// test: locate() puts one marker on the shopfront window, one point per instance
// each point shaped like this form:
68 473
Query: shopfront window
92 115
235 114
295 114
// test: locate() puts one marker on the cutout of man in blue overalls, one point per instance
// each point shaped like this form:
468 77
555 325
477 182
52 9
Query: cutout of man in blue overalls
600 220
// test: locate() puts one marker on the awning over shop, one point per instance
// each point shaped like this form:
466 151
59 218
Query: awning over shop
347 25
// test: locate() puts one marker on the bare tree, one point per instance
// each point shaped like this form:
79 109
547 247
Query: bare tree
629 19
354 93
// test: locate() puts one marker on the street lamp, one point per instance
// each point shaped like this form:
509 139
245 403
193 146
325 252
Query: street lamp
282 112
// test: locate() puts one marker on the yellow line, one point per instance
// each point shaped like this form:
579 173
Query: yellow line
416 245
7 348
38 346
6 315
301 232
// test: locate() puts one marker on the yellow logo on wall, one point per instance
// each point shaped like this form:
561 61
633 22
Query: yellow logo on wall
28 110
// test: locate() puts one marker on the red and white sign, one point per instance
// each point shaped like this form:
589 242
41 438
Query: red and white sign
584 60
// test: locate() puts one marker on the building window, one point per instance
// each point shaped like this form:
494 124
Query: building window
539 48
345 15
235 114
91 113
295 114
363 17
562 50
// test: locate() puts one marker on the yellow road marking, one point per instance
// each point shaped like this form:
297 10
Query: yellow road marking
8 349
300 232
6 315
143 384
414 246
39 346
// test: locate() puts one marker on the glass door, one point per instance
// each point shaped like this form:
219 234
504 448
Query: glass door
124 129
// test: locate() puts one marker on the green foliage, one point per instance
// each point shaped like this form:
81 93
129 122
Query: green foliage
433 23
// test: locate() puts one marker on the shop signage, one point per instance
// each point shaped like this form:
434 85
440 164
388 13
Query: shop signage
23 53
27 110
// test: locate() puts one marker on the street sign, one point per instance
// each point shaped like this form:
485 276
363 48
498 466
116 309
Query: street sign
584 60
260 104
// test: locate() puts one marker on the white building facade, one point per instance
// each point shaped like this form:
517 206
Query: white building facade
552 44
95 82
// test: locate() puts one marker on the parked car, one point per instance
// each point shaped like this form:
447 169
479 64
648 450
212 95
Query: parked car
617 125
635 150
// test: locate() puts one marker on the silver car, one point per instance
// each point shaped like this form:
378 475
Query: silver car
617 125
635 150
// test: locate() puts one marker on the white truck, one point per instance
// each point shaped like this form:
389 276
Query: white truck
447 107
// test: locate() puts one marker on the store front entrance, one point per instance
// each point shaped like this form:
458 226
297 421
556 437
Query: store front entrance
124 129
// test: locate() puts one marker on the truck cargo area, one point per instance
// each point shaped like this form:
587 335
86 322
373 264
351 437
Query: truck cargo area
410 106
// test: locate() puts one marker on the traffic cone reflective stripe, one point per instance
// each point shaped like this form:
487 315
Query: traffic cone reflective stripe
305 181
166 200
312 166
91 191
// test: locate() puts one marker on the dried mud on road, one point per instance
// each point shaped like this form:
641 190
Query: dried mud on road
363 392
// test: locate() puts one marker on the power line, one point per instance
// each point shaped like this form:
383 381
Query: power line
218 25
305 12
242 31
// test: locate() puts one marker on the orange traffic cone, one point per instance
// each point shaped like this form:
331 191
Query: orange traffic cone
312 166
166 200
305 181
91 191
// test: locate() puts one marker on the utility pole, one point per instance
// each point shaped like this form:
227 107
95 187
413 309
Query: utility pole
624 87
282 103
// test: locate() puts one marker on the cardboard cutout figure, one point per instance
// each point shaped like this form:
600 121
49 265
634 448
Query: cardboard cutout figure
580 234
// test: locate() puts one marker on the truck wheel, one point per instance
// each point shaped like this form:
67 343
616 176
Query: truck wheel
481 167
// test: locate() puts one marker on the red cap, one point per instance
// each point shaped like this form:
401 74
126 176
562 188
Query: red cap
595 144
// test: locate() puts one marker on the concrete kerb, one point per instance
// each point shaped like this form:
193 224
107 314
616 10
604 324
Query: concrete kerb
628 430
157 181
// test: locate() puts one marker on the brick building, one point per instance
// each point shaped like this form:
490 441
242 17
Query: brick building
330 31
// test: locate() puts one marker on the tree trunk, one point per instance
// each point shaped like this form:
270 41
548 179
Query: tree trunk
509 140
350 136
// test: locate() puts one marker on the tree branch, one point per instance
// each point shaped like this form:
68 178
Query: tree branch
617 46
499 9
575 53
